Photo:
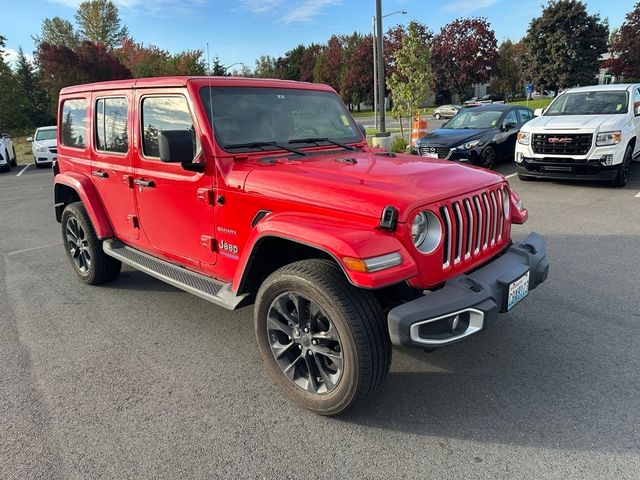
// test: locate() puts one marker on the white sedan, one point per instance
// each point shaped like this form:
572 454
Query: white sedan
8 157
44 145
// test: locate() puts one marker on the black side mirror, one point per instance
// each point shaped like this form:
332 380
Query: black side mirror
509 126
362 129
177 146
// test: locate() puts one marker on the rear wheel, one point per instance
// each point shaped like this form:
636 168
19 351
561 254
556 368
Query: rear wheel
84 249
14 162
625 168
323 340
437 116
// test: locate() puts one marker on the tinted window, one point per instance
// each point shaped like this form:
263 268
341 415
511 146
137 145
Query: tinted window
163 113
111 125
511 117
74 123
525 116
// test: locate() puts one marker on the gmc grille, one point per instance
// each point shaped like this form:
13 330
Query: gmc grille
472 225
562 143
442 152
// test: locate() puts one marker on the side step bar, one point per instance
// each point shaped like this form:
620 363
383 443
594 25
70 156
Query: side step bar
204 287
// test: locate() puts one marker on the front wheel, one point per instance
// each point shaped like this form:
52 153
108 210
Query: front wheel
625 168
488 158
84 249
437 116
14 162
323 340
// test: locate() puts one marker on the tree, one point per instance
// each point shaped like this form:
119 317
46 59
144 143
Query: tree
464 53
152 61
410 83
625 47
99 22
308 62
62 66
393 42
356 85
507 74
31 98
265 67
564 45
328 68
57 31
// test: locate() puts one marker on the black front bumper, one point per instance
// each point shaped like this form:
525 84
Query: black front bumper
467 303
567 169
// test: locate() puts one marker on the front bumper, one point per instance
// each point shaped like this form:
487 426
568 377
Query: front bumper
567 169
468 303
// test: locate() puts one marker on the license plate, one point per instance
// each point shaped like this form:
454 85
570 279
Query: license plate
518 290
430 155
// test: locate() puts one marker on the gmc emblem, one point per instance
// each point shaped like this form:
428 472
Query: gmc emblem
559 140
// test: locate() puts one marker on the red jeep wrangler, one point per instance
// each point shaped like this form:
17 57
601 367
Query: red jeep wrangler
241 190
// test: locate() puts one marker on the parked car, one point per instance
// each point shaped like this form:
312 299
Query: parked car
483 135
446 111
273 196
44 146
587 133
489 98
471 101
8 156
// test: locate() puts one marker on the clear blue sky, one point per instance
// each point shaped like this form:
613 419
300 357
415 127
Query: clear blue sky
242 30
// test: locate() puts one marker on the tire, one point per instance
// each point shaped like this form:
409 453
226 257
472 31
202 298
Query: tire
623 172
84 249
353 353
488 158
437 116
525 178
14 162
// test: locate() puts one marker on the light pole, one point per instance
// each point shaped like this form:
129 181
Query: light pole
233 64
378 65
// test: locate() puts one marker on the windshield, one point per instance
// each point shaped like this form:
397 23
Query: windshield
476 119
48 134
266 117
589 103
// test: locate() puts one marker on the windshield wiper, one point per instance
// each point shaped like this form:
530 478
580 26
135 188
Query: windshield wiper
317 140
261 146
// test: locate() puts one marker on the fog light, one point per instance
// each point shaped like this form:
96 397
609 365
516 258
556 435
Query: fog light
519 157
454 323
606 160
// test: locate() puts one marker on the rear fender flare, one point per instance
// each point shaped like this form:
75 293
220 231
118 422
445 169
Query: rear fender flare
89 198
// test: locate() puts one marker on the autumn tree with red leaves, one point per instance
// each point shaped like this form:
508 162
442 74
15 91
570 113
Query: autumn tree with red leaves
625 47
464 53
356 85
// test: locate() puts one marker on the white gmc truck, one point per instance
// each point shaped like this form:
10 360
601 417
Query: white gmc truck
588 133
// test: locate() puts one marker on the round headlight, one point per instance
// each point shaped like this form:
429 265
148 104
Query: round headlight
419 229
426 231
506 202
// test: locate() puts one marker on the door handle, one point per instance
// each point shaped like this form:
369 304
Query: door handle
100 174
144 183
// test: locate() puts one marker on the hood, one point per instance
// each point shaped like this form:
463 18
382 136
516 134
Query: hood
448 137
46 143
590 123
365 182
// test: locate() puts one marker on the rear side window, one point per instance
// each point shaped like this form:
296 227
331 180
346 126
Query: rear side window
74 123
164 113
111 125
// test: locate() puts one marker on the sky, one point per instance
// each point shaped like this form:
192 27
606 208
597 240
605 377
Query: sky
242 30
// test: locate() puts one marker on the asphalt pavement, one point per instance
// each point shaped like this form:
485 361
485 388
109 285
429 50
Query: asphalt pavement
137 379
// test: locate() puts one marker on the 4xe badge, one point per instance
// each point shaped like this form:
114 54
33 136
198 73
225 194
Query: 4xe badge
228 247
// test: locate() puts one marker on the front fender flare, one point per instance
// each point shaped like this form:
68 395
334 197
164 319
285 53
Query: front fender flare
337 238
89 198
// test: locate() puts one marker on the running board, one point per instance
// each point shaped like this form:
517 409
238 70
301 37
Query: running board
204 287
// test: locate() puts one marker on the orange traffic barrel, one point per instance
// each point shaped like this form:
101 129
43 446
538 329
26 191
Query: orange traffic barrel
418 129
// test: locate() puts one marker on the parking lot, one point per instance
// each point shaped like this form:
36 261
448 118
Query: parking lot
137 379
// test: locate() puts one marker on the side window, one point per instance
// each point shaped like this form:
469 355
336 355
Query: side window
511 117
74 123
164 113
525 116
636 100
111 125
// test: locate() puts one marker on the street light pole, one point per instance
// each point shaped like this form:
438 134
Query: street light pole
375 70
380 68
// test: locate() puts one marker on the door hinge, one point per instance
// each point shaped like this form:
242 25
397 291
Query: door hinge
128 180
208 242
205 195
133 220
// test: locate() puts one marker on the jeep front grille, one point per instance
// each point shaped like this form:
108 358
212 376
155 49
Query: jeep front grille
472 225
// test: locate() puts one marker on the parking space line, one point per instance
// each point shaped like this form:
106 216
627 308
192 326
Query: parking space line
511 175
23 170
637 195
27 250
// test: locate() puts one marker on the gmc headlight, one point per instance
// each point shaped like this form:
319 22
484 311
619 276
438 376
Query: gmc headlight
426 231
608 138
468 145
40 148
524 138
